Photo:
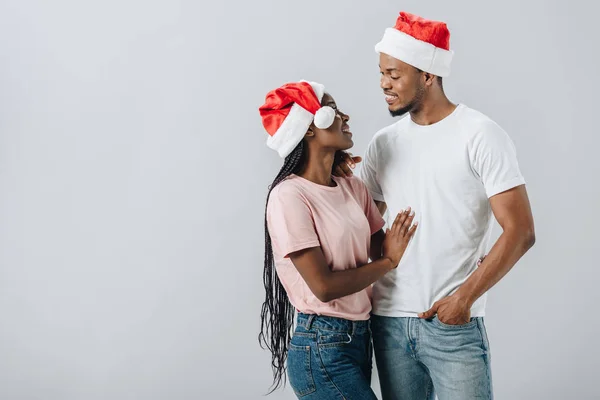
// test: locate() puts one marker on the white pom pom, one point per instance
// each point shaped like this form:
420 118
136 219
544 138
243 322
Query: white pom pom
324 117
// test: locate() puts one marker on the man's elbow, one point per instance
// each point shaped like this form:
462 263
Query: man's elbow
528 238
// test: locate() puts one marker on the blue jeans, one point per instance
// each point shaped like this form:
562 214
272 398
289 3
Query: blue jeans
330 358
417 359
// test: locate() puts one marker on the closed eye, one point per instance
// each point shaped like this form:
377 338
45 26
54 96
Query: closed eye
391 77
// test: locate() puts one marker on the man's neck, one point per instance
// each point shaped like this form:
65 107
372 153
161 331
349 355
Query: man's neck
433 110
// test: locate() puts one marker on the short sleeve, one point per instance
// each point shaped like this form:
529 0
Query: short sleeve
493 158
290 221
368 172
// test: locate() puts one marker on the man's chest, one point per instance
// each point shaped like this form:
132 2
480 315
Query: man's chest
443 164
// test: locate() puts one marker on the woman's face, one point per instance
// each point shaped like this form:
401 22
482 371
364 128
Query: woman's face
338 135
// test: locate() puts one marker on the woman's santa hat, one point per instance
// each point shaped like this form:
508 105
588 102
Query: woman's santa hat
422 43
288 112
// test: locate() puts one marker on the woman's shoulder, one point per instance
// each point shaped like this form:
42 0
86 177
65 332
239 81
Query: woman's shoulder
289 188
353 182
287 200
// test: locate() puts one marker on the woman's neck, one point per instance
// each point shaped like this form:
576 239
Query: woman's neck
318 168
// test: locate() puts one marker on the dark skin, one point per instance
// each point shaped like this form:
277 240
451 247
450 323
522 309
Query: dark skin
421 94
386 248
513 213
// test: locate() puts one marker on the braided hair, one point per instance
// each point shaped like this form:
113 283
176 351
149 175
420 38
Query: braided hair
277 315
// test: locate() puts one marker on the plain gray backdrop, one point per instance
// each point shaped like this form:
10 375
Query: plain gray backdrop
134 170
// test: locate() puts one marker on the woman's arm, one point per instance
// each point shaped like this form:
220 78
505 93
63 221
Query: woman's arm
329 285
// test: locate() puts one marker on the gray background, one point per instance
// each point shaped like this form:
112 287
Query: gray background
133 174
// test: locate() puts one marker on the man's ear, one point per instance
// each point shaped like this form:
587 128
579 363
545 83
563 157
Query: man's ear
429 78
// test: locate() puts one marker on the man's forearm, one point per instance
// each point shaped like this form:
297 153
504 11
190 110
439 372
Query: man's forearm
505 253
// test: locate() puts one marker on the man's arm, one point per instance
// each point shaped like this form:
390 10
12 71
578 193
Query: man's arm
377 239
381 206
513 212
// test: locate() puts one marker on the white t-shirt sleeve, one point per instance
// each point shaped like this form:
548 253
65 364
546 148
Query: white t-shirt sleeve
368 172
493 157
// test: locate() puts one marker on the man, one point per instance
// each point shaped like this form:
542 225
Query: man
454 167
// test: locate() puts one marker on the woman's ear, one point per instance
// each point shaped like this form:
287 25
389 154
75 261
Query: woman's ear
310 132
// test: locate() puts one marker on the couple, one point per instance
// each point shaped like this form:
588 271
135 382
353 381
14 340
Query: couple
414 294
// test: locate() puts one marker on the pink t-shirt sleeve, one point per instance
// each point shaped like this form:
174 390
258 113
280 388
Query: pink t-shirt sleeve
290 220
376 222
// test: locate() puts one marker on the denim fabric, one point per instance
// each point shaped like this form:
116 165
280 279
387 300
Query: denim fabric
418 359
330 358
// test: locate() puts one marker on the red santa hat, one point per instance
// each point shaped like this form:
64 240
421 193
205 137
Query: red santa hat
288 112
422 43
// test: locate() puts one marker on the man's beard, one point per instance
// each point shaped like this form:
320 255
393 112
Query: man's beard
401 111
414 104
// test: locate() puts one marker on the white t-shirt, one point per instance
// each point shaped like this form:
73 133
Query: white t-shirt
446 172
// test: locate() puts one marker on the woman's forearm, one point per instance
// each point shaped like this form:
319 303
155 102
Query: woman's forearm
343 283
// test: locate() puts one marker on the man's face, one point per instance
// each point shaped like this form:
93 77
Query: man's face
402 84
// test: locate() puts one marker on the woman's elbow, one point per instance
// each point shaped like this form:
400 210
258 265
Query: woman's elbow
324 295
323 291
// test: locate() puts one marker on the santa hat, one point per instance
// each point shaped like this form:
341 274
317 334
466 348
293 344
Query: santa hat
288 112
422 43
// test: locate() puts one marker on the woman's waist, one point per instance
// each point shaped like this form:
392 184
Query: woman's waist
327 323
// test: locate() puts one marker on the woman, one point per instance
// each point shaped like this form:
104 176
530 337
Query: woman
320 232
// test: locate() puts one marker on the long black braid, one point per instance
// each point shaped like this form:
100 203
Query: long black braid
277 315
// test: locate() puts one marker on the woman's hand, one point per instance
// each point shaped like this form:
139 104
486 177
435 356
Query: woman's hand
398 236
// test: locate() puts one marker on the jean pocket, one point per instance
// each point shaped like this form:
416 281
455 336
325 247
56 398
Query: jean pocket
470 324
334 339
299 370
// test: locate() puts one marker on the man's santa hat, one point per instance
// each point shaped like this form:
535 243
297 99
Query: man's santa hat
422 43
289 111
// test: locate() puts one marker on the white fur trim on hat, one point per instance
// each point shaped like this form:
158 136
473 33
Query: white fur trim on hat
415 52
296 124
317 88
291 132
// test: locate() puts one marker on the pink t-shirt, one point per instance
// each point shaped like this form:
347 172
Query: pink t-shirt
302 214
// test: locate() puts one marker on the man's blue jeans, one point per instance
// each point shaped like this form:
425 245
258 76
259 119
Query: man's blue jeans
417 359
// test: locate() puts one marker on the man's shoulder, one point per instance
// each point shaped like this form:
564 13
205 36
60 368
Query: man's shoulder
476 121
383 135
480 130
